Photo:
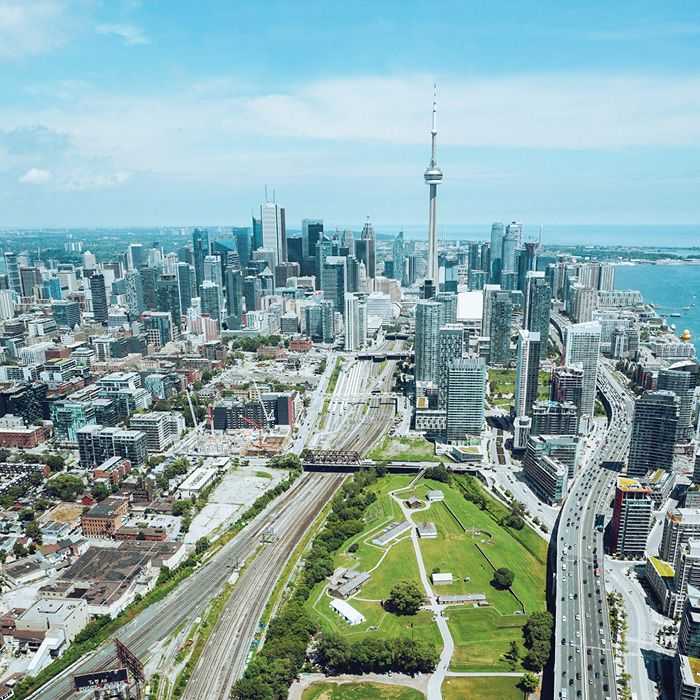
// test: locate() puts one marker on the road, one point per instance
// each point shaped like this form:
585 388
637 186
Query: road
192 596
584 666
224 656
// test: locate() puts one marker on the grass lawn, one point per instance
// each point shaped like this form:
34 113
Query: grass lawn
263 475
335 374
399 563
485 688
502 383
360 691
482 636
405 449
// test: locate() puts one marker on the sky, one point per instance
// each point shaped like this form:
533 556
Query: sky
173 112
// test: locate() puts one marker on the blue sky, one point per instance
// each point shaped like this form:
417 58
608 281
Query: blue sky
177 112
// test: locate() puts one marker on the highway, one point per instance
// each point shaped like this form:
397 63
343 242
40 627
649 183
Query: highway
584 664
223 658
190 599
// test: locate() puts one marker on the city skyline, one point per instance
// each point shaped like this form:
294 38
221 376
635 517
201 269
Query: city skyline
117 115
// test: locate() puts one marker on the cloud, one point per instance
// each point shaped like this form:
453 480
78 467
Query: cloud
35 176
337 126
34 139
95 182
569 111
131 35
32 26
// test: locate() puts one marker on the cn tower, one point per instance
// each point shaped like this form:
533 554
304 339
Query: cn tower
433 177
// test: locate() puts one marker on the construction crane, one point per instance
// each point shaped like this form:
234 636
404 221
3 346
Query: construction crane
189 401
269 419
258 426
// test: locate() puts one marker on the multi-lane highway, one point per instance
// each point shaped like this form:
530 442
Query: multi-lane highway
584 664
190 599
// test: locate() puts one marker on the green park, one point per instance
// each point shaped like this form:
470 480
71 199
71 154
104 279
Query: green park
476 535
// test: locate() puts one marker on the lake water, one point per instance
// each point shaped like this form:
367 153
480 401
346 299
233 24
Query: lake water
670 287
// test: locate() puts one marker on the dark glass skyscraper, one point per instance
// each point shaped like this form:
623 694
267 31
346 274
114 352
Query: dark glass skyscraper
99 297
653 432
201 248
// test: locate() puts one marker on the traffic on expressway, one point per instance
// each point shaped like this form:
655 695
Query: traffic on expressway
584 663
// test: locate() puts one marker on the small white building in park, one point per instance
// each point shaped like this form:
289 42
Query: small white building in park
347 612
441 578
436 495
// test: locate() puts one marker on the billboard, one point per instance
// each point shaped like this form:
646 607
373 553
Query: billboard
100 679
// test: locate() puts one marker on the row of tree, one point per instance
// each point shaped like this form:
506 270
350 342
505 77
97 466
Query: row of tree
277 664
335 654
538 640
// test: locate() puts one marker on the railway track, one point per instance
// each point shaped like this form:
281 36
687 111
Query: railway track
225 653
191 598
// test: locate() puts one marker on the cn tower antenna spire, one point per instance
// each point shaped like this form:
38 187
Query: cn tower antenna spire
433 177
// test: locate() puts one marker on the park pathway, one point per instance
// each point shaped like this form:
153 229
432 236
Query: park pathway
438 676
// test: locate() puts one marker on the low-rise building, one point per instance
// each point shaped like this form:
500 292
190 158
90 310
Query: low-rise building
426 531
105 517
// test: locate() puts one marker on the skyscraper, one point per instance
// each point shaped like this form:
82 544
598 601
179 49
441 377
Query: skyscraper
538 297
631 517
582 344
243 244
427 329
274 231
168 299
527 372
135 256
433 177
567 385
14 281
311 232
99 297
365 250
234 297
134 293
653 432
466 388
499 328
210 296
508 252
682 384
335 280
355 323
398 253
496 250
186 285
201 247
450 347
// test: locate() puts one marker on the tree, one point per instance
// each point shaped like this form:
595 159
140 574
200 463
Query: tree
438 473
202 545
331 652
405 598
529 682
512 656
65 486
55 462
18 550
502 578
538 655
100 491
181 507
33 530
287 461
26 514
